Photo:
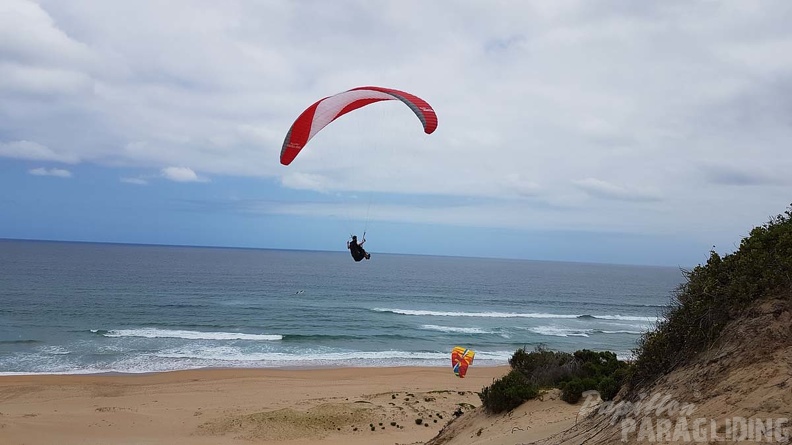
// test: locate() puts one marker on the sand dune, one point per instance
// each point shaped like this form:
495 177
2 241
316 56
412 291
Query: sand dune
533 420
333 406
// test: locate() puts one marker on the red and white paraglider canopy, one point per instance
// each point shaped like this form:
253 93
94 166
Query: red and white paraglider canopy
326 110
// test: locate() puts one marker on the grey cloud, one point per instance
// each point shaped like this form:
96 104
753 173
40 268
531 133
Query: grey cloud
606 190
744 176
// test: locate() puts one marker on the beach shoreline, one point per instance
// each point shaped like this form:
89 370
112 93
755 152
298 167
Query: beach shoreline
238 405
233 369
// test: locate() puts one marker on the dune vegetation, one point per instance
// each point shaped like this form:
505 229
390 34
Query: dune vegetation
713 295
541 369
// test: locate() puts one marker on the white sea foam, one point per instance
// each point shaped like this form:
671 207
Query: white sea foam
239 355
232 356
557 331
432 327
54 350
358 358
472 314
494 314
628 318
560 331
189 335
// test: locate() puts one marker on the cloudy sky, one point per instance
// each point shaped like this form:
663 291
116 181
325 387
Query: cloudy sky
608 131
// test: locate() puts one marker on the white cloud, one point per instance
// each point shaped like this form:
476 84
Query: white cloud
305 181
181 174
57 172
28 34
33 151
136 181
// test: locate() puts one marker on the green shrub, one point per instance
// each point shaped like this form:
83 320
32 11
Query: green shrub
507 393
608 388
713 295
572 391
589 383
543 367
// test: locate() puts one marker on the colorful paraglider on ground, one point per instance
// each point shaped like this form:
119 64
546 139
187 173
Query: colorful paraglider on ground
326 110
461 358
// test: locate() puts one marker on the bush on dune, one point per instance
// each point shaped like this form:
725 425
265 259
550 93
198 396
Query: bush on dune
508 392
715 294
543 366
544 369
572 390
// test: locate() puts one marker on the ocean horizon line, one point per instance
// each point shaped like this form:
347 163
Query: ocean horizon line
276 249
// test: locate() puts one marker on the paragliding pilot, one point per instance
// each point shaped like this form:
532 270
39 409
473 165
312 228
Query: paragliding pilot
357 249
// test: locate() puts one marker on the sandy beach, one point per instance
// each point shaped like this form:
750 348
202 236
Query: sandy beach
236 406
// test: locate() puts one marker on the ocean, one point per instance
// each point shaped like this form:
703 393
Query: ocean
77 308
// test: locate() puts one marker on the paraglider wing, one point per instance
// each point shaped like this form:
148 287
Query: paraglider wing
461 358
326 110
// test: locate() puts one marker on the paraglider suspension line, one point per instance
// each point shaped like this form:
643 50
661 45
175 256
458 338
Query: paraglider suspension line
368 211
